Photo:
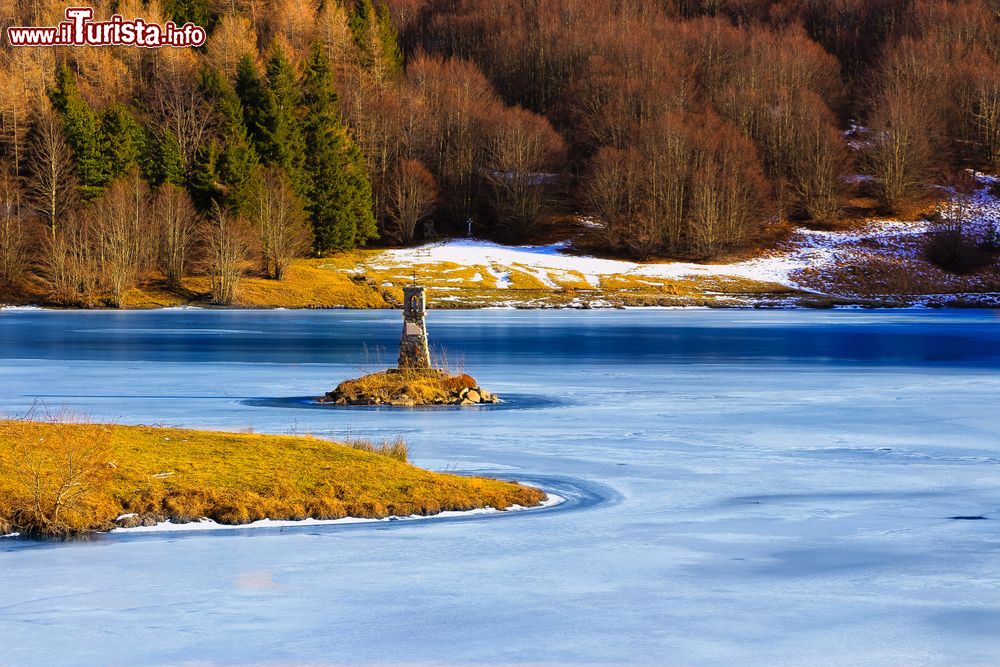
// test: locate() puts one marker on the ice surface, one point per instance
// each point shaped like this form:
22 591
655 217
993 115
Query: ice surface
742 488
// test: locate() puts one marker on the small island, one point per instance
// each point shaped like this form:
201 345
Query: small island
130 476
414 382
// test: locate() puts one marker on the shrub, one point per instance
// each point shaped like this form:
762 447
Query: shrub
956 251
60 479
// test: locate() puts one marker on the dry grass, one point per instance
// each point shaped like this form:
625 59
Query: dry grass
872 273
184 475
361 279
420 387
394 449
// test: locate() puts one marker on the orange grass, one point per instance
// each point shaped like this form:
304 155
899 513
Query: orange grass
185 475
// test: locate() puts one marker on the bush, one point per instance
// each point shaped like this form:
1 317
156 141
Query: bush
60 480
956 251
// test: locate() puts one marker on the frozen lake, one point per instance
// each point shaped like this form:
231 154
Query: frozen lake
745 488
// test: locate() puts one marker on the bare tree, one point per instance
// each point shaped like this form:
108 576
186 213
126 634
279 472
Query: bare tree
177 224
117 218
69 265
177 102
986 116
902 151
14 246
52 186
612 195
228 246
280 221
522 151
689 186
818 166
412 194
232 38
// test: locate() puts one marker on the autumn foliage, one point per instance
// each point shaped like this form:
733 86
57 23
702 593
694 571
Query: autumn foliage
687 128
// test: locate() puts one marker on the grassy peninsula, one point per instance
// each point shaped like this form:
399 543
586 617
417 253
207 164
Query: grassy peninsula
63 479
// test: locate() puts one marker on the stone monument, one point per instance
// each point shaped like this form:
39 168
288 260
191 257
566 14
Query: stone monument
422 385
413 350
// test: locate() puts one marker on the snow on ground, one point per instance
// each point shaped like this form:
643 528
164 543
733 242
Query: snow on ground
806 249
551 500
542 261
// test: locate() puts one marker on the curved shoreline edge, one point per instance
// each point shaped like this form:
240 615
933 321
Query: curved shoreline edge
551 500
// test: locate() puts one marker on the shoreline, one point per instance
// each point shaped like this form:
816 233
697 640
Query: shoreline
924 302
148 476
204 524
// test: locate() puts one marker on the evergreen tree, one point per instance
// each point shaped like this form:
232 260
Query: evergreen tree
237 159
194 11
253 97
164 163
83 134
340 195
124 140
375 37
359 21
278 124
204 183
388 39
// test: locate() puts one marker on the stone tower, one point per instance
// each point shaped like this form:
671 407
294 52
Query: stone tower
413 350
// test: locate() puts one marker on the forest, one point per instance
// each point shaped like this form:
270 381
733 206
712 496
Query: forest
680 128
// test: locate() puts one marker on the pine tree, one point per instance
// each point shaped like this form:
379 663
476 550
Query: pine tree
388 39
359 21
160 159
194 11
278 124
83 134
165 163
340 194
124 140
238 159
375 38
204 183
253 97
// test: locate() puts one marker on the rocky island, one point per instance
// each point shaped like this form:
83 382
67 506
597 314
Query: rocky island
414 382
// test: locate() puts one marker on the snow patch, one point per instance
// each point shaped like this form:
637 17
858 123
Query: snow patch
551 500
807 248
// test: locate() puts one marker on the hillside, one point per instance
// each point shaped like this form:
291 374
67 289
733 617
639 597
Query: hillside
652 130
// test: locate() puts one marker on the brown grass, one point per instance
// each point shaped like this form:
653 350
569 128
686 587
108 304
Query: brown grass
871 273
422 387
360 279
184 475
394 449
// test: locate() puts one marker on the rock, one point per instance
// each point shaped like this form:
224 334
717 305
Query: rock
128 521
393 387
